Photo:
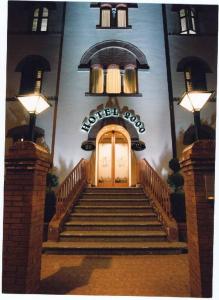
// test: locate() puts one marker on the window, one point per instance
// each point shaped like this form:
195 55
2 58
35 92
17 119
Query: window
40 19
31 81
195 78
187 21
38 81
96 79
194 69
130 79
105 15
122 15
32 68
113 16
188 79
113 80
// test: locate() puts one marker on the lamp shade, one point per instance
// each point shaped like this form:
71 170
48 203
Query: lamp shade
88 146
194 100
138 146
34 103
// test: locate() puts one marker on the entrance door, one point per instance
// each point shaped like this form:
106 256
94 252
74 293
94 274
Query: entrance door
113 160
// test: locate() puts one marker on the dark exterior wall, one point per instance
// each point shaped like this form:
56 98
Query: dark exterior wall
207 19
20 16
204 46
21 43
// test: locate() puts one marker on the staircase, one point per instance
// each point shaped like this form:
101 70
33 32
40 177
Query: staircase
113 221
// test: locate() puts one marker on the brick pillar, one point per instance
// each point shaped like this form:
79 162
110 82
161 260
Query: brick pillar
26 167
198 165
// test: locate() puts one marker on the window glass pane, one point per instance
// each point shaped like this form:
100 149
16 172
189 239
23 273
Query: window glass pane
189 86
182 12
130 81
105 17
37 86
192 13
105 161
44 24
39 74
97 80
36 12
34 25
45 12
193 24
121 18
113 80
183 24
188 74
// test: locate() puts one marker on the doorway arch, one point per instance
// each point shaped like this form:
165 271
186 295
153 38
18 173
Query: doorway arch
114 150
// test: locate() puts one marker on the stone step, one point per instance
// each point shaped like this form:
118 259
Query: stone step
113 236
109 225
105 208
112 216
113 202
132 248
99 195
113 190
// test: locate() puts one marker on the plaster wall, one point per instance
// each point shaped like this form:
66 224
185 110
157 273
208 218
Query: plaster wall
80 34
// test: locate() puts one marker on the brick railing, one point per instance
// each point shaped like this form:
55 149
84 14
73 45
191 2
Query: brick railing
66 195
159 194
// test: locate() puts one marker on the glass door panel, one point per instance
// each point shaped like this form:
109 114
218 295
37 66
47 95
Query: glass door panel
121 160
113 162
105 161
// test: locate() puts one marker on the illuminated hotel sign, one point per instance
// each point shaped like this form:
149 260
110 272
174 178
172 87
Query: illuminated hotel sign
112 112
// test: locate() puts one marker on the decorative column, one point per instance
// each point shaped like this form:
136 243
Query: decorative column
198 167
122 74
104 80
27 165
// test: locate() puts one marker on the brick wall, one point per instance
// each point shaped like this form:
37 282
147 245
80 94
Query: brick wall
197 163
26 167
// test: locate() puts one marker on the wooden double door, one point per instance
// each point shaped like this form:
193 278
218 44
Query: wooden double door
113 160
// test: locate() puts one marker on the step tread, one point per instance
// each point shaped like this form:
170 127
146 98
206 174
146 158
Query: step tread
113 199
95 222
113 206
112 214
119 233
114 245
114 188
119 193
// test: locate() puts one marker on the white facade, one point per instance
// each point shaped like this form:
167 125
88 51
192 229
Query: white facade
80 33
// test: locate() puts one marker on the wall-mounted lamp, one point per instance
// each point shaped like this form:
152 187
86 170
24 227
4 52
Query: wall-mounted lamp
35 104
194 101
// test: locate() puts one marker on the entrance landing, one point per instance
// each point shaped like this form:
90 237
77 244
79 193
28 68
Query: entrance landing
144 275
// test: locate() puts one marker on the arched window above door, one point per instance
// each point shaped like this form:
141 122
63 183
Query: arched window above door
113 68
